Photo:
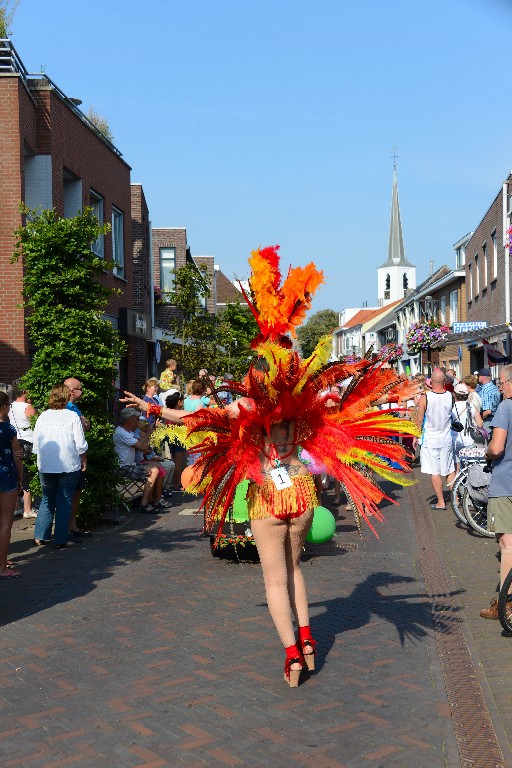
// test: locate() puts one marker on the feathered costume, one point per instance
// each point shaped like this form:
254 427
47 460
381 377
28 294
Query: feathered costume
345 432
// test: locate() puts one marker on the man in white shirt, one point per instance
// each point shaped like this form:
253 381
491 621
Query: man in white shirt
434 418
126 443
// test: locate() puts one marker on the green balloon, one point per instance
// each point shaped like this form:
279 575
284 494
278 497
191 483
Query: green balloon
240 508
323 526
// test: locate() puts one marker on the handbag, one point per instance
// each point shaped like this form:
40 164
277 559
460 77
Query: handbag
478 434
457 426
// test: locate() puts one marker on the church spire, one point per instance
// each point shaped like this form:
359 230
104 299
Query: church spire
396 250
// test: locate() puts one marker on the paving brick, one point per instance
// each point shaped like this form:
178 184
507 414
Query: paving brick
174 653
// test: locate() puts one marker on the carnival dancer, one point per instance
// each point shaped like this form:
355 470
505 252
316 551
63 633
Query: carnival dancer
281 406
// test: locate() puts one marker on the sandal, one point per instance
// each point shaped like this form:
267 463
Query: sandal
12 574
293 656
307 645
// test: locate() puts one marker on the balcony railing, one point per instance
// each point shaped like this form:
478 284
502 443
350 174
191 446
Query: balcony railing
9 59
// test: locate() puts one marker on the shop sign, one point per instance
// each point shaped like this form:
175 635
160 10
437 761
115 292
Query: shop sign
468 327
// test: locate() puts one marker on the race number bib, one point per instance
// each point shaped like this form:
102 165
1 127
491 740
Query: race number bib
281 478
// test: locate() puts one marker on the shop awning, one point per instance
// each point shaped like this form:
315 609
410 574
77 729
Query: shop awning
476 335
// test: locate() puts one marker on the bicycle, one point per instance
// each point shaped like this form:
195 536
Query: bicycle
459 485
474 499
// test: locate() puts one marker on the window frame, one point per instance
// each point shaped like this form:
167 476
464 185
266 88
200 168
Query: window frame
118 229
162 258
97 204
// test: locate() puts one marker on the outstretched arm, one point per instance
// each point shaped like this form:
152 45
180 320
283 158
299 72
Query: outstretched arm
132 401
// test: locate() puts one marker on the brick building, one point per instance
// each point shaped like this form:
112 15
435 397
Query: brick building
52 156
484 255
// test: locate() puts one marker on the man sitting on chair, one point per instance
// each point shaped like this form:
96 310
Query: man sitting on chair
126 443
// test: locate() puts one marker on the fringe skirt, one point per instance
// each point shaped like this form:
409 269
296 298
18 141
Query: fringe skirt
266 500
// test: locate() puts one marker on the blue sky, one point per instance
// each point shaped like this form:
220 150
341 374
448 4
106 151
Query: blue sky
275 122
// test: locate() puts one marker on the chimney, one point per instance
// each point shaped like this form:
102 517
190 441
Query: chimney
431 268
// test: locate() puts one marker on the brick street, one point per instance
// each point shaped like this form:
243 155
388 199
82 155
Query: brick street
138 649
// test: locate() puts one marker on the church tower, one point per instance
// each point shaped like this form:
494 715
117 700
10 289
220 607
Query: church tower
396 276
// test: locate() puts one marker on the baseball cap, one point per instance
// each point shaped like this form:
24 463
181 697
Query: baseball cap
484 372
127 413
461 389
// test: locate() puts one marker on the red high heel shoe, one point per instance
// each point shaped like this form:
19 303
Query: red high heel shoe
293 656
307 646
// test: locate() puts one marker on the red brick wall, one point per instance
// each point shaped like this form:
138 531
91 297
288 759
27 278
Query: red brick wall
40 121
17 122
489 302
73 145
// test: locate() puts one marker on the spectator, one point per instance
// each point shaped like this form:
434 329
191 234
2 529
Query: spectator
169 379
489 394
75 394
197 397
126 443
226 396
176 452
499 508
466 414
142 457
471 383
434 416
20 413
11 471
61 449
150 388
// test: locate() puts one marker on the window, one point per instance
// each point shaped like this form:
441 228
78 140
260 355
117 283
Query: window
443 309
167 265
96 203
477 276
72 194
405 281
494 255
454 307
388 282
117 242
484 264
460 257
470 282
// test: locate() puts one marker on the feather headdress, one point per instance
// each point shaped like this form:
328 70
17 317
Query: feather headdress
344 432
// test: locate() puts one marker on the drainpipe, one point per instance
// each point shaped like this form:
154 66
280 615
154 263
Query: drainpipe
507 252
507 262
152 290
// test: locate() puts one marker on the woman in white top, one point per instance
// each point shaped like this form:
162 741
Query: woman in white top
60 445
466 413
19 416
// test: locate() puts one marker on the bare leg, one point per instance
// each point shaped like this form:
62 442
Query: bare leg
7 506
279 544
437 485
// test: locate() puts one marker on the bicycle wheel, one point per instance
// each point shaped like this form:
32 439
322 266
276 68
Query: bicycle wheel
505 605
459 484
476 515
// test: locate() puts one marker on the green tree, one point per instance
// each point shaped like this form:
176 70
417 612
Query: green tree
237 328
318 325
65 302
7 11
191 323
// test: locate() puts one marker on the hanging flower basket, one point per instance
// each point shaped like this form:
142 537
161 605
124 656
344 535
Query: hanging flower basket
423 335
391 353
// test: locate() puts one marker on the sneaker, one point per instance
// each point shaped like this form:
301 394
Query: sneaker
32 513
149 509
492 611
